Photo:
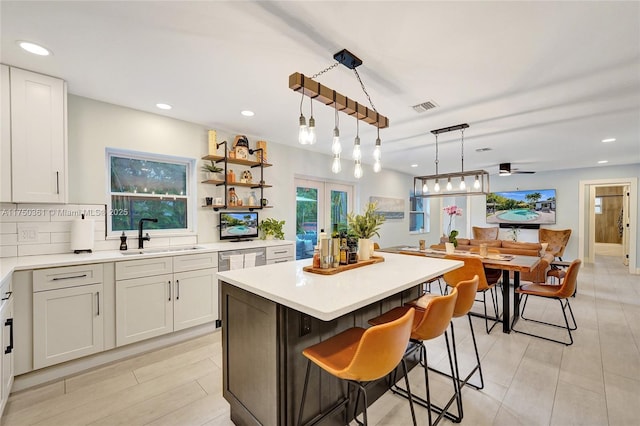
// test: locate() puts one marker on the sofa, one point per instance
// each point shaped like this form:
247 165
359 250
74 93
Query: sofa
537 275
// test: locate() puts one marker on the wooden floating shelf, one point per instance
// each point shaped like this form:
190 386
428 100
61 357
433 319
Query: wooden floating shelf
248 185
300 83
213 182
251 163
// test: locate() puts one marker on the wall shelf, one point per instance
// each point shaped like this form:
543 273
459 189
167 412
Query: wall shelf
221 158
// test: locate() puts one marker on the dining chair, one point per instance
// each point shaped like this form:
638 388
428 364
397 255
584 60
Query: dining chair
359 356
431 321
473 266
485 233
561 293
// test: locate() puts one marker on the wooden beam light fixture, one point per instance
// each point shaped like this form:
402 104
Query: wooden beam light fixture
307 86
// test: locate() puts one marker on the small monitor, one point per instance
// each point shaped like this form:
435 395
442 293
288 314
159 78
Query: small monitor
238 226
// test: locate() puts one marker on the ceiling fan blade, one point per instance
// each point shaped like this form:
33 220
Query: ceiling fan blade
523 172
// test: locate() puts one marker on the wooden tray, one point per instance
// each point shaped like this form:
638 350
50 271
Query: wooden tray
342 268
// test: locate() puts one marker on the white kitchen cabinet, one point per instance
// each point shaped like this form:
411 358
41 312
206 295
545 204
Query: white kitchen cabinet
278 254
6 342
67 324
5 135
144 308
161 295
38 137
196 298
68 313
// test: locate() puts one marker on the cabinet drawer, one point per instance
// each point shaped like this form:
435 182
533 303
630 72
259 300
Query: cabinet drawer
277 252
143 268
67 276
193 262
281 260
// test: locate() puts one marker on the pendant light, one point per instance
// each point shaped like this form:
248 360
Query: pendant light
357 153
336 147
436 187
302 130
377 154
336 167
311 133
463 186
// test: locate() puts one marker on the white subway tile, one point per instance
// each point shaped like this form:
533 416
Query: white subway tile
8 239
44 238
54 227
37 249
24 213
60 237
179 241
8 228
8 251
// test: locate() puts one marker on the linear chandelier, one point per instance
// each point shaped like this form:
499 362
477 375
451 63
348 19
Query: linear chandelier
315 91
432 185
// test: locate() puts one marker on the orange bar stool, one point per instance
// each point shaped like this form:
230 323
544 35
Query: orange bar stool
472 267
359 356
464 302
432 319
560 293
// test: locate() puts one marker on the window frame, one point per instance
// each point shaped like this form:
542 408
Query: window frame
190 197
425 212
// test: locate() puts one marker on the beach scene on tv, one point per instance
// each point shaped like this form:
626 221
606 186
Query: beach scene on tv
536 206
238 225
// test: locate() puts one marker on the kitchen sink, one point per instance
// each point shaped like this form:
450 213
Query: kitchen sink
176 249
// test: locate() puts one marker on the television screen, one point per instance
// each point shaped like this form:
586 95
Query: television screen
238 226
522 207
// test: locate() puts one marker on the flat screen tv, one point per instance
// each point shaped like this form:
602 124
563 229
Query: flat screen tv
238 226
536 206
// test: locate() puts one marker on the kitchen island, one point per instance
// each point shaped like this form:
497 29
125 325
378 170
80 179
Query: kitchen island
270 314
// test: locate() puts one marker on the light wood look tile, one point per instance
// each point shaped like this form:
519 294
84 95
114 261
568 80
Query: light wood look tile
528 381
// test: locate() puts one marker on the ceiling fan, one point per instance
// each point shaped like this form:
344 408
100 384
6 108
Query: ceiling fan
506 170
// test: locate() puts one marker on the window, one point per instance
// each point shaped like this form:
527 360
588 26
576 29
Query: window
151 186
418 215
598 205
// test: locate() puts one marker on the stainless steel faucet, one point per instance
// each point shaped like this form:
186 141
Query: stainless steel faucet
142 239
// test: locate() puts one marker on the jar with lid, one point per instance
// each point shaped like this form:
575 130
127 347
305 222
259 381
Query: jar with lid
253 201
231 176
233 198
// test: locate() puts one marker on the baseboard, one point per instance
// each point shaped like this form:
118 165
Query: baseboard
70 368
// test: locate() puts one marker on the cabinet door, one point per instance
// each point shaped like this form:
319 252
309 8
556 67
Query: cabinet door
38 140
5 135
144 308
67 324
196 299
6 350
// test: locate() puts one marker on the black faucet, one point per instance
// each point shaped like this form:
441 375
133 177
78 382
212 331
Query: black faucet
142 239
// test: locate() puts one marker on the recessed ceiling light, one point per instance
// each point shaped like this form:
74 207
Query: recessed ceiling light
609 140
414 165
247 113
36 49
603 161
164 106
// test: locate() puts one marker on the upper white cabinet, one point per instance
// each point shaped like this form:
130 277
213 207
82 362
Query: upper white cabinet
38 137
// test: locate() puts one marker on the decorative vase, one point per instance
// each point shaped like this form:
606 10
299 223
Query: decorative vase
364 249
449 248
269 237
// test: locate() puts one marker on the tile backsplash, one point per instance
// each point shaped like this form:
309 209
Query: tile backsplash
37 229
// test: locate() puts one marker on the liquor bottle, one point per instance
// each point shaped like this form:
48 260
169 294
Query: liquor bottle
344 252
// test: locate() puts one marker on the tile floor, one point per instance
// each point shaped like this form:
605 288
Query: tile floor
528 381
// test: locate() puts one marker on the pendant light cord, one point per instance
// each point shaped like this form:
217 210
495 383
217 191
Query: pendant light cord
462 151
436 153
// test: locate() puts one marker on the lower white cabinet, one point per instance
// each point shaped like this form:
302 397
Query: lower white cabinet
279 254
150 304
144 308
6 347
68 323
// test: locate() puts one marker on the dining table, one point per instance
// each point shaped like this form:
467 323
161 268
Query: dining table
507 263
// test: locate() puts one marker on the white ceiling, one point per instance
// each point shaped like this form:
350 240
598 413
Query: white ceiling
540 83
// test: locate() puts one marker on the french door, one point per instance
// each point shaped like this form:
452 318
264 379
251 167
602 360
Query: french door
319 206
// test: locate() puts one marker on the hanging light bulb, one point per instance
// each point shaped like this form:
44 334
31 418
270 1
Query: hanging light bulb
377 166
476 183
449 186
463 186
425 187
311 133
336 167
303 133
376 151
436 187
357 171
357 154
336 146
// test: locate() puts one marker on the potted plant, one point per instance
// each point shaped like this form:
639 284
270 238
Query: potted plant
365 226
211 170
271 229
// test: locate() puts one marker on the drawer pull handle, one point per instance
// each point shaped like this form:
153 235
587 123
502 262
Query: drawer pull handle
279 252
9 323
9 293
281 261
177 289
69 278
57 182
98 297
169 282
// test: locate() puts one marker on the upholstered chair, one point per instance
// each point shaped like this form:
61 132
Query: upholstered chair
557 238
485 233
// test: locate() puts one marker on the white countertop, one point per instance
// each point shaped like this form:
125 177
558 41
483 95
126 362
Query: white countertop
10 264
327 297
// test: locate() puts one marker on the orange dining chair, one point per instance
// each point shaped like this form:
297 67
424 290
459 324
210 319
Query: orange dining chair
493 275
432 318
485 233
359 355
473 266
560 293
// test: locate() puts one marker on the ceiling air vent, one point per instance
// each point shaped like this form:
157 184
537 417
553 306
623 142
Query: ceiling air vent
425 106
